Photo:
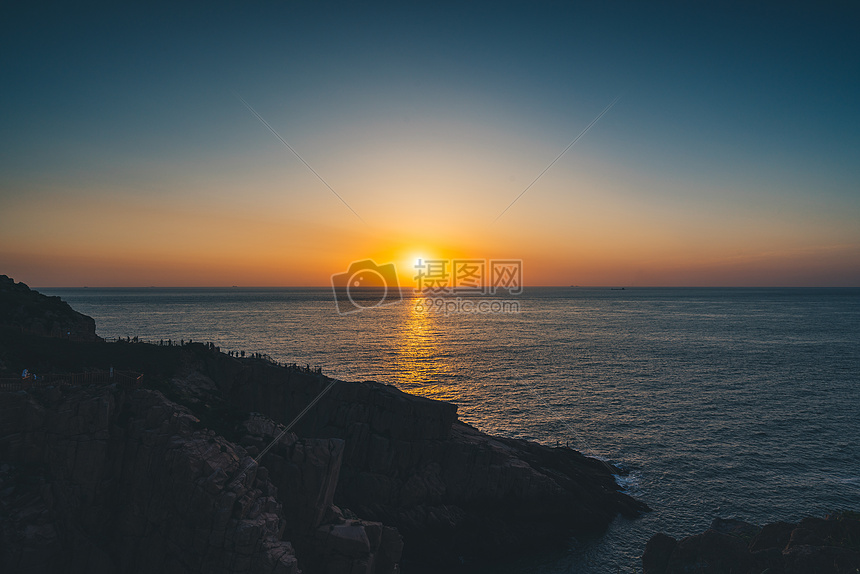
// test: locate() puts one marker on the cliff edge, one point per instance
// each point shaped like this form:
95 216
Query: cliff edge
162 477
35 313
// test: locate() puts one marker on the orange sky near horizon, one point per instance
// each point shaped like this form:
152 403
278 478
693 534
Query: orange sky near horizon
120 240
713 147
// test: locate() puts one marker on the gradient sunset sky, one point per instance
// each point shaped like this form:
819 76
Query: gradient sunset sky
732 157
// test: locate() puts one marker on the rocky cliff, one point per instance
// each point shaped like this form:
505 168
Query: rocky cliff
451 490
829 545
162 478
33 312
97 479
110 479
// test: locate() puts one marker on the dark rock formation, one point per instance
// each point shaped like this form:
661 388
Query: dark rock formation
96 479
305 472
106 478
450 489
33 312
822 546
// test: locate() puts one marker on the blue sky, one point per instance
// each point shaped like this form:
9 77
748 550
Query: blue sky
730 158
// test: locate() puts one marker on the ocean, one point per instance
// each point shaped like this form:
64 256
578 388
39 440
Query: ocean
733 403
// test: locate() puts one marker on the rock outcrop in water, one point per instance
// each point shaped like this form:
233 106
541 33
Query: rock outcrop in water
829 545
113 478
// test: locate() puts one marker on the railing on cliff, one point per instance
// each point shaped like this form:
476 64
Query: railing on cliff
126 378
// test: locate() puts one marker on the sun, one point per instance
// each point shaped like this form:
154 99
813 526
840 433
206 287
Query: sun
411 259
410 263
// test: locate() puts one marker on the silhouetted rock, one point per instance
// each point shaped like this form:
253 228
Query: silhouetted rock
305 473
33 312
659 549
823 546
450 489
775 535
104 478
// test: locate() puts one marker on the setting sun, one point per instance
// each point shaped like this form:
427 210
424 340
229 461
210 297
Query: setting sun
440 286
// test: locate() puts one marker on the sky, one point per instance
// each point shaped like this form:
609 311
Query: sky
135 147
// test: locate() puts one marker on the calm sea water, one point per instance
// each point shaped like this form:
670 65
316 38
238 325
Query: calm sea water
721 402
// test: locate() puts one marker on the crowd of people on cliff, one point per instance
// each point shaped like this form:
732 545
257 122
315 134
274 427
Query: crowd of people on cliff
237 354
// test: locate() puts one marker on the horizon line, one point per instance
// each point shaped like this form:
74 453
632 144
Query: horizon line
407 287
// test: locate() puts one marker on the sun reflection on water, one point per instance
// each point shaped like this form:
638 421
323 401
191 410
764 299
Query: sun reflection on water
421 364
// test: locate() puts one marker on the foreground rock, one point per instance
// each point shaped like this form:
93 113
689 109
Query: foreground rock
451 490
814 545
105 478
95 479
33 312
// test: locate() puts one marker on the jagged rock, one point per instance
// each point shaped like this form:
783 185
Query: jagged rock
823 546
712 553
659 549
138 484
772 536
407 462
356 546
304 471
305 474
133 487
33 312
349 539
